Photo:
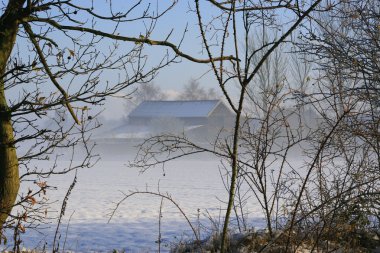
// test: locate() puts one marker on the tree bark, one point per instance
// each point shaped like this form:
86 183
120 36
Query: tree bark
9 175
9 171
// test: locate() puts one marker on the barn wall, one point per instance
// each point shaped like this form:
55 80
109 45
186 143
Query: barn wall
221 117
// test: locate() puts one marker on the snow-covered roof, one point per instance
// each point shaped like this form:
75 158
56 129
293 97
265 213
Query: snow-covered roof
177 108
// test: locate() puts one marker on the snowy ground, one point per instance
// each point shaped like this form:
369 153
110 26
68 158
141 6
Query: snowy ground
193 183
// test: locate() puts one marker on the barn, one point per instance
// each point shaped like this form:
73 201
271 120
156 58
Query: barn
193 116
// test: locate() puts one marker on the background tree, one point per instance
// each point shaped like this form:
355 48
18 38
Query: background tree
270 77
194 91
144 92
149 91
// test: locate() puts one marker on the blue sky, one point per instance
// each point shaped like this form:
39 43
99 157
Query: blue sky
176 75
173 77
178 19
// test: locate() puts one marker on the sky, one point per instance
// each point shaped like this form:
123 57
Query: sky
178 19
174 22
171 78
176 75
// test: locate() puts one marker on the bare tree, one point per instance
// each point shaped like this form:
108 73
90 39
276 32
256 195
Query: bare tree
253 15
144 92
271 74
149 92
334 191
246 151
344 189
194 91
66 55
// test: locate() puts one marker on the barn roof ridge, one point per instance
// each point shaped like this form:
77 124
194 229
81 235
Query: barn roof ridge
180 100
176 108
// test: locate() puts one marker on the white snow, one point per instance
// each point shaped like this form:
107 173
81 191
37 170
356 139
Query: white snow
193 183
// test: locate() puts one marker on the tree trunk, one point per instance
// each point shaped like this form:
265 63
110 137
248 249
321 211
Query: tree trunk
9 174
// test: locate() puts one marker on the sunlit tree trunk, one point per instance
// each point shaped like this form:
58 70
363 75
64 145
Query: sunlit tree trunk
9 174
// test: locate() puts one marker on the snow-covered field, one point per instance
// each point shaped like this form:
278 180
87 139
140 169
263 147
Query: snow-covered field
195 184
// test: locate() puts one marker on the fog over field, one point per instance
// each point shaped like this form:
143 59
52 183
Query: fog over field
197 183
194 183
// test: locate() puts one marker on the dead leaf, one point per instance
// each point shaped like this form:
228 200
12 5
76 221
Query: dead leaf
41 184
24 216
31 199
21 228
